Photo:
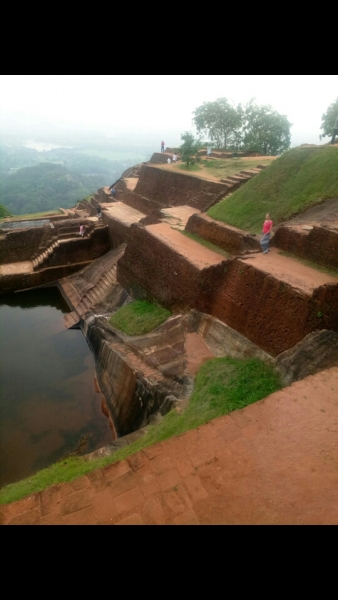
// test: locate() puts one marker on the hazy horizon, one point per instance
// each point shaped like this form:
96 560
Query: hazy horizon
136 108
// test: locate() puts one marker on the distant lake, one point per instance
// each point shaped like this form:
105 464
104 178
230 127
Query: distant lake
41 146
48 403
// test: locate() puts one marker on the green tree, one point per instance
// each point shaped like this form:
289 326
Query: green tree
328 120
4 212
189 148
221 121
265 130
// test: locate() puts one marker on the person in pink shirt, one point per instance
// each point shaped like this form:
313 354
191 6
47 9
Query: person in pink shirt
267 228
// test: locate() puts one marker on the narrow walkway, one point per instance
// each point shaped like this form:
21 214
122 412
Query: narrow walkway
198 255
123 212
274 462
16 268
290 271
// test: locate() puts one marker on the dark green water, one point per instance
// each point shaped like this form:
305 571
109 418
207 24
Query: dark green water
48 403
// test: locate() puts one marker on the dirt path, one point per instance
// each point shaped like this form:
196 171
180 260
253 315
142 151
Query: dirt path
274 462
290 270
198 255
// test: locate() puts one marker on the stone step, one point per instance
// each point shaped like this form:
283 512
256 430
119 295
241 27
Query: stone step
229 183
250 172
71 319
82 308
93 295
238 178
111 278
100 290
104 283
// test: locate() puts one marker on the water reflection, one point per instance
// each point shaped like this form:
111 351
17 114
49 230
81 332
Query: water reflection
48 402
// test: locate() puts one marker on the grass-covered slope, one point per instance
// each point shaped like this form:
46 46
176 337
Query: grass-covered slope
297 180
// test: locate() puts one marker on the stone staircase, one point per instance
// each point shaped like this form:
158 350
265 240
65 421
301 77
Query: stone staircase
82 304
235 181
61 237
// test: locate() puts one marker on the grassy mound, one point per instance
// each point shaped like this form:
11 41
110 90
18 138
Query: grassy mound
139 317
297 180
221 386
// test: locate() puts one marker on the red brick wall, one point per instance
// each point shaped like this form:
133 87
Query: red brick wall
319 245
176 189
18 246
81 250
144 205
268 312
226 237
118 231
151 269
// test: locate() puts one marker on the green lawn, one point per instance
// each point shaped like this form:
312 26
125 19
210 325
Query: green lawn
139 317
232 166
297 180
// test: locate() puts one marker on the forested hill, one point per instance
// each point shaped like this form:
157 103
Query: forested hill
47 186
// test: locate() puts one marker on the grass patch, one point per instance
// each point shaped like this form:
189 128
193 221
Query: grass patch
232 166
221 386
297 180
210 245
139 317
192 167
310 263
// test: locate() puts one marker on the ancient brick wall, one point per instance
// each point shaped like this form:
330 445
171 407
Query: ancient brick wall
80 250
144 205
22 281
228 238
267 311
20 245
176 189
118 231
319 245
153 270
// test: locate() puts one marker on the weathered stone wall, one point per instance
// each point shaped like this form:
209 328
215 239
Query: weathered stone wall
319 245
271 313
160 157
118 231
144 205
130 397
20 245
176 189
268 312
23 281
151 269
316 352
80 250
228 238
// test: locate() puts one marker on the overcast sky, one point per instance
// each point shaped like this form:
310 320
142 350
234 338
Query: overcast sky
162 104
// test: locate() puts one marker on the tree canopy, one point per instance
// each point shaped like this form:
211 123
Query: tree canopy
328 119
250 127
189 148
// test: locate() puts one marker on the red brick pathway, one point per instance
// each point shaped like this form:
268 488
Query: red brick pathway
274 462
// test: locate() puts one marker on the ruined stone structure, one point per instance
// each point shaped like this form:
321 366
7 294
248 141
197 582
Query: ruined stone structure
233 305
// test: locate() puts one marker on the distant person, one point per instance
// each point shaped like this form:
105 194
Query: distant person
208 151
335 131
174 158
168 161
99 211
82 230
162 146
267 228
113 192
